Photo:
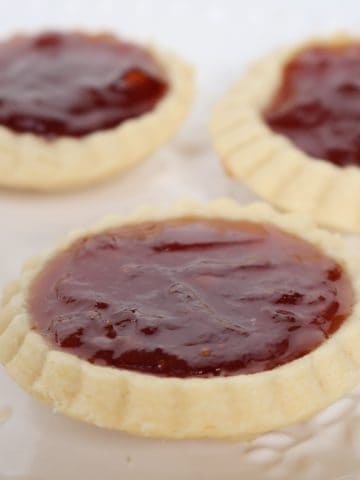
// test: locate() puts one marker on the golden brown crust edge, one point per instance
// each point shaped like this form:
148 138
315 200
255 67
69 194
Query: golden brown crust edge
269 163
28 161
239 406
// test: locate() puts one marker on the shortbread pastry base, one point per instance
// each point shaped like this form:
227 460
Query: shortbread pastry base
29 161
271 164
239 406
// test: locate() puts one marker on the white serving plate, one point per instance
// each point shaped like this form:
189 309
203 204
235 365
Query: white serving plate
220 38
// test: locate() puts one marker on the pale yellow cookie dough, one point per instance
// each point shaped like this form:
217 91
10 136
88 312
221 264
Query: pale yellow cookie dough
29 161
236 406
271 164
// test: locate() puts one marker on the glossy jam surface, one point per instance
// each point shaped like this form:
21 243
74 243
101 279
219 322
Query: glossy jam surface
73 84
190 298
318 104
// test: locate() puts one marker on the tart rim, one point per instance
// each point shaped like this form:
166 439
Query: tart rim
268 162
29 161
238 406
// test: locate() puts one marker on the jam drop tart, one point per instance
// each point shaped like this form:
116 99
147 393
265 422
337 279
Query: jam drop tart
214 320
290 130
76 108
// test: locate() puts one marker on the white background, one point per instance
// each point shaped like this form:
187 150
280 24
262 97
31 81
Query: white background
219 38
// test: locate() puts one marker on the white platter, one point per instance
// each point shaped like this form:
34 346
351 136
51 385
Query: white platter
220 38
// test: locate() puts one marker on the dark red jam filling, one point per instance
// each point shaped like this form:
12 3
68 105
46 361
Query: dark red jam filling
190 298
73 84
318 103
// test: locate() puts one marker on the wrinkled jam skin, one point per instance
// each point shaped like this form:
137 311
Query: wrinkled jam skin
190 298
318 104
58 84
